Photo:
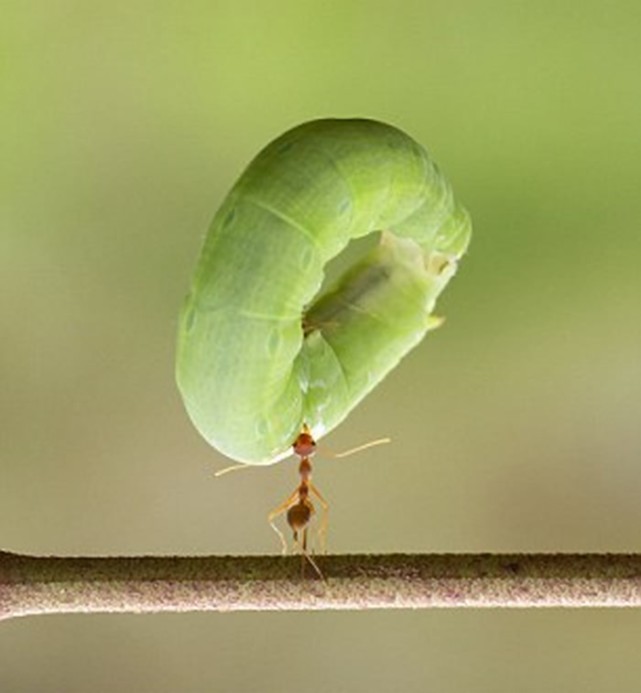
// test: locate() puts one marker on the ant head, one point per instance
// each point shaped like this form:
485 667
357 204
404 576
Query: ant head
304 445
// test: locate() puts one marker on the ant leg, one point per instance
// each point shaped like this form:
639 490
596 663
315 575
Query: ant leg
306 556
322 529
303 553
276 512
300 545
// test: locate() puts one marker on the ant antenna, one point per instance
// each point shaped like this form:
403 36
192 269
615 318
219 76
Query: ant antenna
359 448
233 468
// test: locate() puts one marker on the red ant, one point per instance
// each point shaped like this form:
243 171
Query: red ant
298 506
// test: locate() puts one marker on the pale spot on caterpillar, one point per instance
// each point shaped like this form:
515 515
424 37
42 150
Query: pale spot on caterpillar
285 147
274 342
229 217
190 318
307 258
262 427
345 206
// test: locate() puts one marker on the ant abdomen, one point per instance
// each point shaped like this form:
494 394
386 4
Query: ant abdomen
299 515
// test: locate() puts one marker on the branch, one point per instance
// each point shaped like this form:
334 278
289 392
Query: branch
45 585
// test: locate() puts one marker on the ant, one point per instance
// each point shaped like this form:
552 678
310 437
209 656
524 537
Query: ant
298 506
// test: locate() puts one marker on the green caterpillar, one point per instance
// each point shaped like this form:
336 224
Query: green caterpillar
259 354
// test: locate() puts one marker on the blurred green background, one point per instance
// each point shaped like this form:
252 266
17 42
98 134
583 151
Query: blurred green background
516 426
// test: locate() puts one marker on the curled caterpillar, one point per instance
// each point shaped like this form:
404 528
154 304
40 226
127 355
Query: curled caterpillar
260 354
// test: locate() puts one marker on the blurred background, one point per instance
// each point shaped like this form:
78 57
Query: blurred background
516 426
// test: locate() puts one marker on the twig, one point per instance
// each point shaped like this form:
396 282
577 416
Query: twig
45 585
